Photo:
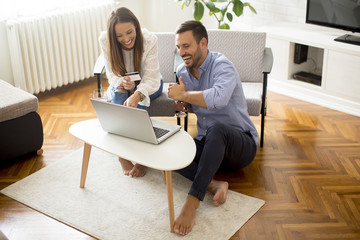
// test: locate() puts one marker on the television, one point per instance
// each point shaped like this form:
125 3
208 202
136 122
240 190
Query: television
341 14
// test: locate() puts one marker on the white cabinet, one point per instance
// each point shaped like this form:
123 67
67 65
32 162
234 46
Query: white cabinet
337 63
343 74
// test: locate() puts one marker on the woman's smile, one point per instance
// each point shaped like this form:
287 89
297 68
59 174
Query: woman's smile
126 34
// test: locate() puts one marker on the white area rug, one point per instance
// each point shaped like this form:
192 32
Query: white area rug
114 206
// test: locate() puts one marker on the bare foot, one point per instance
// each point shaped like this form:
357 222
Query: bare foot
126 165
138 171
186 220
219 189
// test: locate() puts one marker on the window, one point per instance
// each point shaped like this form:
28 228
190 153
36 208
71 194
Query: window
20 8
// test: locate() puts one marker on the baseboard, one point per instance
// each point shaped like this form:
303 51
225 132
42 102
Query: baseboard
315 96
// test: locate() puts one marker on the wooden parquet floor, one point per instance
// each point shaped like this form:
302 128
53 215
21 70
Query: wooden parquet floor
308 171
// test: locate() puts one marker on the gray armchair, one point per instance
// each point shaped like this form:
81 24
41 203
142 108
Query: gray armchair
245 49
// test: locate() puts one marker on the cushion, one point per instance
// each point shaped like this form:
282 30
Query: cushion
15 102
244 49
253 93
162 105
166 48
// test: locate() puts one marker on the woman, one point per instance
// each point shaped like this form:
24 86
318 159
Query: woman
128 48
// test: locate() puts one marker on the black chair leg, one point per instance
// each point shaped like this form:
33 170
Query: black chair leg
99 84
262 130
178 121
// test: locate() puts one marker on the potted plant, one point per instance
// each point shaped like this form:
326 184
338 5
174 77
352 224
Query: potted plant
219 9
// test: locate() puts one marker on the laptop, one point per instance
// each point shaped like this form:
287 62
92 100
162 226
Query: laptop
132 122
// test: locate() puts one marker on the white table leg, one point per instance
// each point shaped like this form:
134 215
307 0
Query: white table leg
85 164
168 178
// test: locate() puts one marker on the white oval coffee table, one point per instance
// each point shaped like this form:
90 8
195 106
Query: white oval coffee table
175 153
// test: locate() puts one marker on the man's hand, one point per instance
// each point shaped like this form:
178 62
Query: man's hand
179 106
177 91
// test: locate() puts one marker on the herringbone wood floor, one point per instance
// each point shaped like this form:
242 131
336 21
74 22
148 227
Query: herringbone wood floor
308 171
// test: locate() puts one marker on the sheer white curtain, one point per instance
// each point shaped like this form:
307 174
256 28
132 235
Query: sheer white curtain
20 8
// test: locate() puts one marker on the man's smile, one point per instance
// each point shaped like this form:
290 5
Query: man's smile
186 59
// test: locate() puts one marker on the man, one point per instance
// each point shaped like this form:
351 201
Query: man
227 138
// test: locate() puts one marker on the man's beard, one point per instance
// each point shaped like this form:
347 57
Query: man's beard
196 59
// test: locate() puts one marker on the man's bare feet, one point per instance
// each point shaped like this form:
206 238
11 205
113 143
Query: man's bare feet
138 171
126 165
219 189
186 220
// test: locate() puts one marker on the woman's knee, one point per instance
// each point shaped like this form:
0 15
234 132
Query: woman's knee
158 92
119 97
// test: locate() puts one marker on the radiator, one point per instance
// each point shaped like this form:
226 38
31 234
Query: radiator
55 49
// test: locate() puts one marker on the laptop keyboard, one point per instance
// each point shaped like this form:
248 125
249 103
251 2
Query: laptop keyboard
159 132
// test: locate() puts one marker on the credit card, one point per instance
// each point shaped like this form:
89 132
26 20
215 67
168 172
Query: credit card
134 76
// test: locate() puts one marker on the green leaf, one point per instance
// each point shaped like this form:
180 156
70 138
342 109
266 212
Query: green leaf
223 11
251 7
238 8
217 10
187 2
198 11
210 6
224 26
229 16
182 7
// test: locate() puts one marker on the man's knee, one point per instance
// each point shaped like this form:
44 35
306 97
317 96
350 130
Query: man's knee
217 130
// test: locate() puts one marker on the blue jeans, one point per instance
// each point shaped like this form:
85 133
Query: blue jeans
223 148
120 97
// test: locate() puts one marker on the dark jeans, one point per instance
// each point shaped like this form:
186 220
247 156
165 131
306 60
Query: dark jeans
222 147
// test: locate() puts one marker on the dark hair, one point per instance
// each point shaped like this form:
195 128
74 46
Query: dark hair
198 30
123 15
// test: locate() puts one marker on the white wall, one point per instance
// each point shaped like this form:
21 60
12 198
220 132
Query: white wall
158 15
166 15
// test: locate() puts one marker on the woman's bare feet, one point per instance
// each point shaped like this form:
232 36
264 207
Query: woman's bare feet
186 220
126 165
219 189
138 171
132 170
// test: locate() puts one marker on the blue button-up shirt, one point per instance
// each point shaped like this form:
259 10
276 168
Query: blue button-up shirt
223 94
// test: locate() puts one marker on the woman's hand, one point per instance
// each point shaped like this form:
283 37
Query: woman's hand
133 100
128 84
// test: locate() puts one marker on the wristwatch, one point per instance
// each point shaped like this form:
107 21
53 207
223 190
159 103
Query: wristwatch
142 96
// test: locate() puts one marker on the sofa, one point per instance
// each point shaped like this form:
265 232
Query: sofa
246 50
20 125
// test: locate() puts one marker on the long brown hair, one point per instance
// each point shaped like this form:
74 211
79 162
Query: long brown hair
123 15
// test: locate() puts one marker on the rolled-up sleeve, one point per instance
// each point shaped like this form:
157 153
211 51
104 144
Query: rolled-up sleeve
223 77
